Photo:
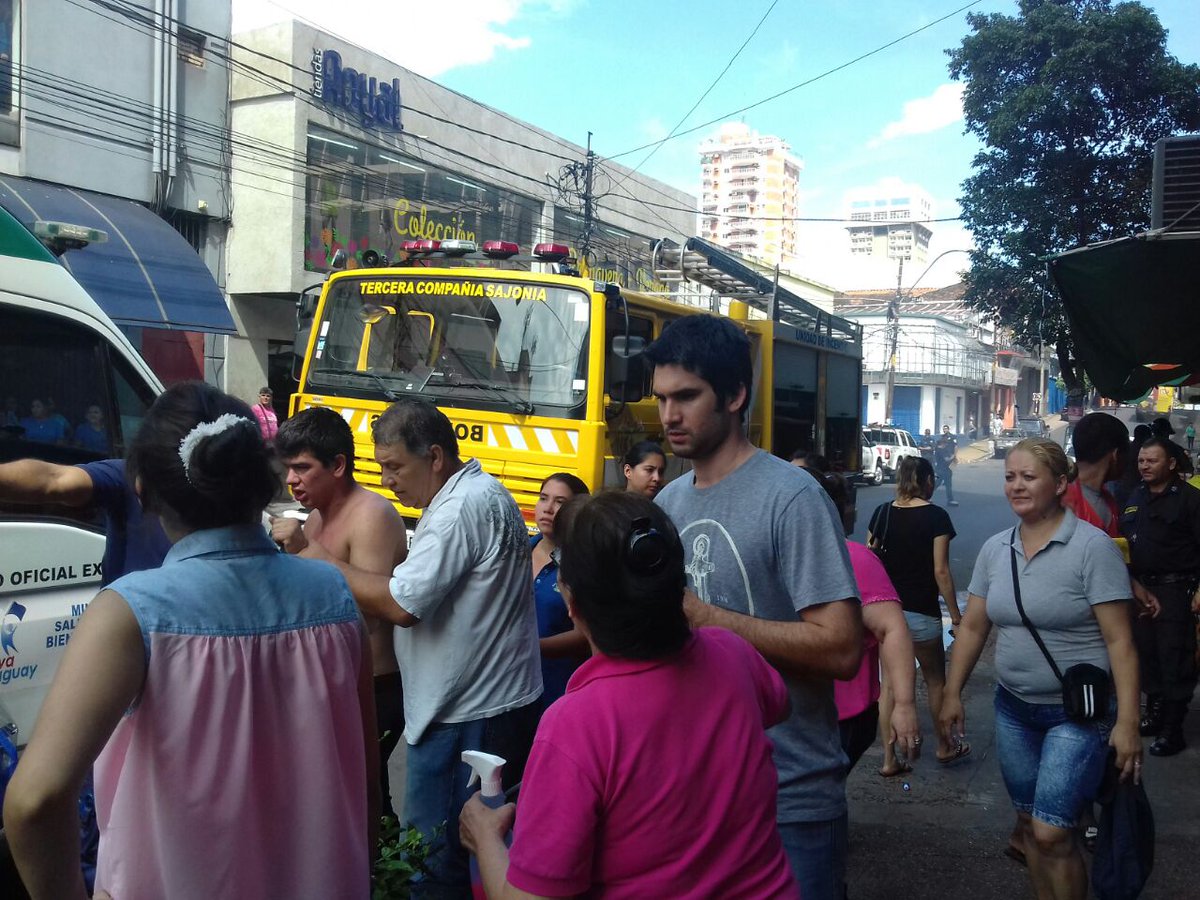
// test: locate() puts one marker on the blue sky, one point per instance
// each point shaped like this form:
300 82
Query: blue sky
628 71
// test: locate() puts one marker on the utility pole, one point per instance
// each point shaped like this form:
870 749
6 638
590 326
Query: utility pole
893 320
585 243
1042 365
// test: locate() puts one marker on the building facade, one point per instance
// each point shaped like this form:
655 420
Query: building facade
894 218
352 152
115 117
750 186
941 372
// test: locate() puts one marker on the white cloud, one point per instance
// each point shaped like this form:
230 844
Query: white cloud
653 128
426 38
925 114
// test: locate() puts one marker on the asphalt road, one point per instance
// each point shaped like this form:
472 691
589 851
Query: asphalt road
945 835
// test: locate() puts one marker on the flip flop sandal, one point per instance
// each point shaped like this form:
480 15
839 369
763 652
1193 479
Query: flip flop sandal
1017 856
901 769
961 749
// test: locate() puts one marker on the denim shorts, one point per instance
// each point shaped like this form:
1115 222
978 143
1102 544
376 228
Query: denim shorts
1051 765
923 627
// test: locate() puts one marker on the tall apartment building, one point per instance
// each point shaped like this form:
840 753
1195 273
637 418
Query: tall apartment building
897 214
750 187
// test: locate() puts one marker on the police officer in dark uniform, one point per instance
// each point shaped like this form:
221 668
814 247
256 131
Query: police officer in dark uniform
1162 523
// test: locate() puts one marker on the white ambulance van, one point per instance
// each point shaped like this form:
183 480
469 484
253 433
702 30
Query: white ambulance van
72 390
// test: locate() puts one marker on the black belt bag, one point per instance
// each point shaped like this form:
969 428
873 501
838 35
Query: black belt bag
1085 688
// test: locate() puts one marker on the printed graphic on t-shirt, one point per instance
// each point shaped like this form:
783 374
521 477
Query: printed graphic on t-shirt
504 517
710 549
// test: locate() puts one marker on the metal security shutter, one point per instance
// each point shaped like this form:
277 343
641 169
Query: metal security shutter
906 409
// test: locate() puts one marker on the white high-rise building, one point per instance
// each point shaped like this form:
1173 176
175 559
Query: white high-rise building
895 217
750 186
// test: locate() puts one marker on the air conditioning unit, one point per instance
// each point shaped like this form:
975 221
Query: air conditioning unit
1175 196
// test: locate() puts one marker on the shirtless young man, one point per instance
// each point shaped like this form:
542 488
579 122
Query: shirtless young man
350 524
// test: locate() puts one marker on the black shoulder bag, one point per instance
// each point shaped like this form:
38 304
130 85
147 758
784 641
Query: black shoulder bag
1085 688
877 545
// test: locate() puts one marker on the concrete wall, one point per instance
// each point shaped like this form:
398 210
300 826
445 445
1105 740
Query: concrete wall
103 140
875 404
204 115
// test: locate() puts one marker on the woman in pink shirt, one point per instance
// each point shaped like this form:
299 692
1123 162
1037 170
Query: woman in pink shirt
264 414
885 638
652 776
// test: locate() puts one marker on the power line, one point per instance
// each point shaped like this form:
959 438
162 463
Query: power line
134 16
804 83
553 138
132 115
707 91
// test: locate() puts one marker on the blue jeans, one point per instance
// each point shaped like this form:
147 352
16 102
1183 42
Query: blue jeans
1051 765
817 854
436 787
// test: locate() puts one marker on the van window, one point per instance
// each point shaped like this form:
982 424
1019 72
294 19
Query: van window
68 397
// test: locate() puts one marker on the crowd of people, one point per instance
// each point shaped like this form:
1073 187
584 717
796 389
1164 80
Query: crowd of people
679 675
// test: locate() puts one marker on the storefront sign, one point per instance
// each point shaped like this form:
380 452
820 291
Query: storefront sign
375 103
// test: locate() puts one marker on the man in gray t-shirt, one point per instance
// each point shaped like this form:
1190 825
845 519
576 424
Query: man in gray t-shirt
765 559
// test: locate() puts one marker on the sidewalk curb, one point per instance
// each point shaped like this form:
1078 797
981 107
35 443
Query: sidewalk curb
975 452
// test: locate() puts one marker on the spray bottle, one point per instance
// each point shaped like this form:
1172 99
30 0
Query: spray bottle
486 769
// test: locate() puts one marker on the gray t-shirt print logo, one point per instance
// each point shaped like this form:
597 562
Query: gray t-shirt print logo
700 567
713 556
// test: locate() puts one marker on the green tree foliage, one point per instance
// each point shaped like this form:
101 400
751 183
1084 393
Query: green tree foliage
1068 98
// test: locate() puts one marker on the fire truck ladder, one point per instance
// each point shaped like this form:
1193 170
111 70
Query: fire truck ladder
728 277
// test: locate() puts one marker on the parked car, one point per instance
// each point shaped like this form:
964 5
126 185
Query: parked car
888 445
1033 427
1007 439
1072 414
1030 426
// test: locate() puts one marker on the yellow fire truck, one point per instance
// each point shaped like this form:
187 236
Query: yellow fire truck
541 371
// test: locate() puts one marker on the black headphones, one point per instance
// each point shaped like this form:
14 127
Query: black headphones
645 548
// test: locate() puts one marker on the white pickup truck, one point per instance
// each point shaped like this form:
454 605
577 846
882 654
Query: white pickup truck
61 358
888 445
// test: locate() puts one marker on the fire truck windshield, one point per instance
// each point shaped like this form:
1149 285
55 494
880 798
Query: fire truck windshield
466 342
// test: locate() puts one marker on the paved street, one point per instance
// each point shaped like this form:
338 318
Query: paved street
945 836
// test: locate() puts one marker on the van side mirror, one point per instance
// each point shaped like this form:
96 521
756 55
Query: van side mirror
627 369
306 304
299 348
306 309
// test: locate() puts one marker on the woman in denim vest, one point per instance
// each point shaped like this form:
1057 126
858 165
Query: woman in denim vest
215 696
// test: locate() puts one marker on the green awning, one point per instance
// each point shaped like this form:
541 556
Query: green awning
1133 306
